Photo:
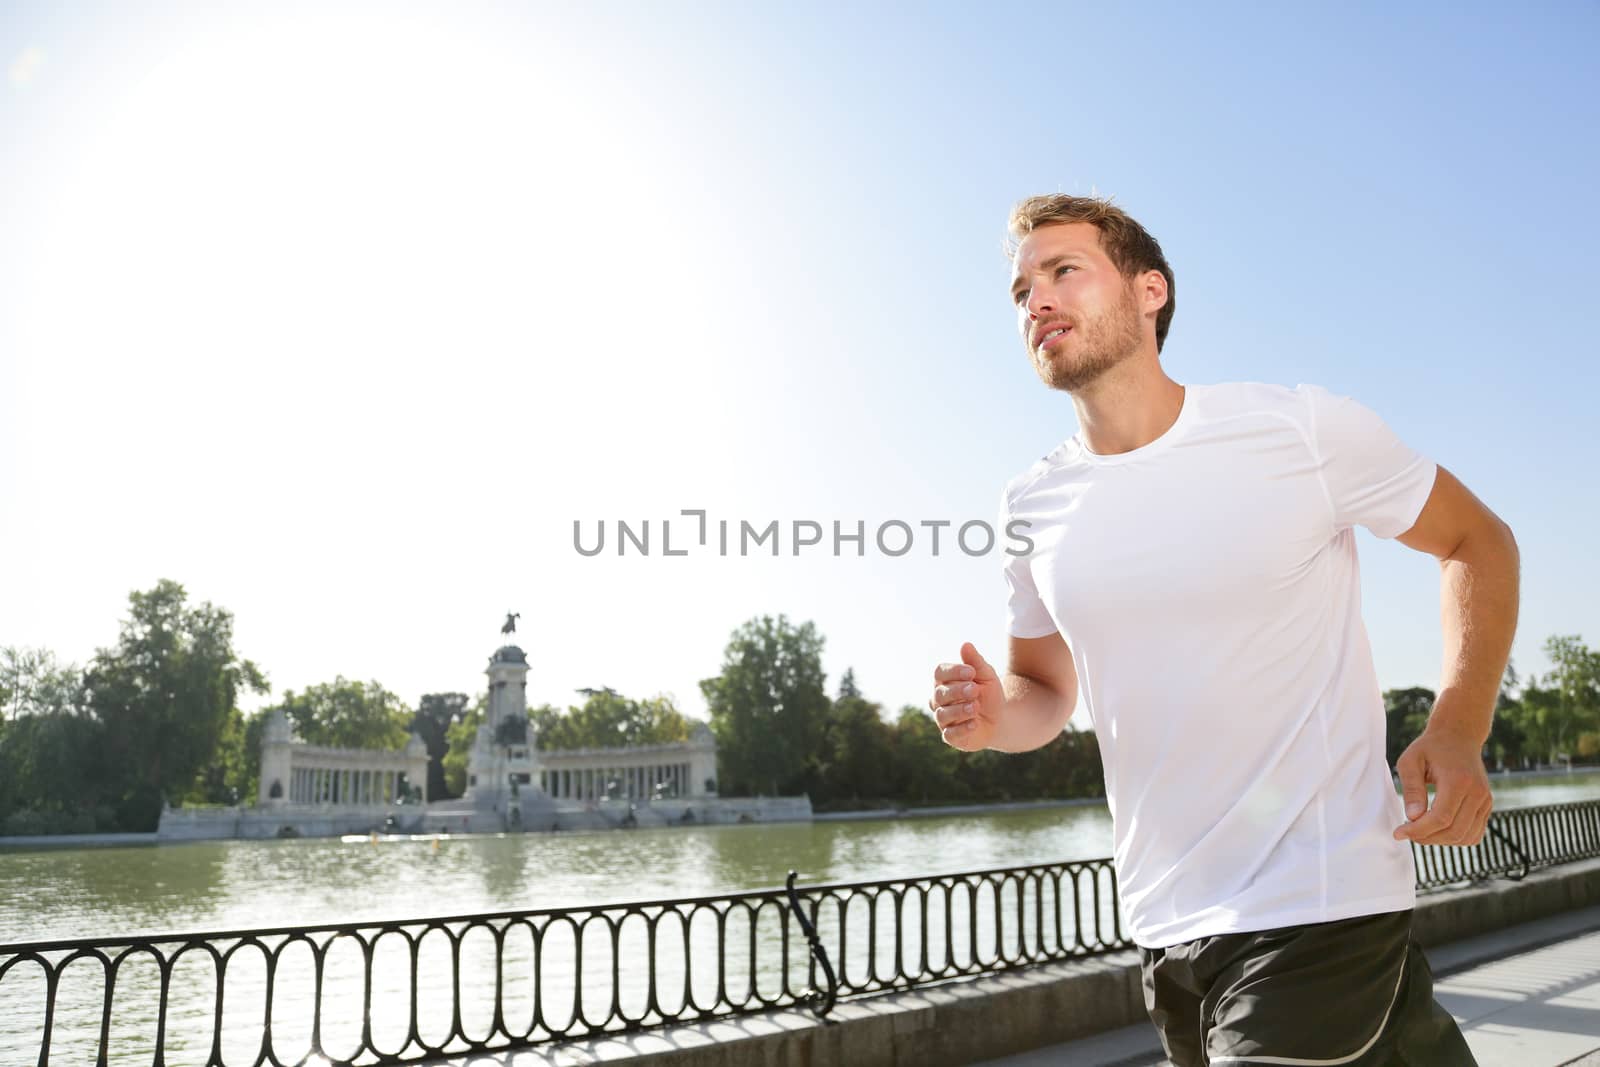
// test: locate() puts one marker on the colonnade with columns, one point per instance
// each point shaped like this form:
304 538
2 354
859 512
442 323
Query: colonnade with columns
639 772
314 775
327 785
592 783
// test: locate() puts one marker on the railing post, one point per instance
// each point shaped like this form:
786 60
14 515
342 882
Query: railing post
819 1001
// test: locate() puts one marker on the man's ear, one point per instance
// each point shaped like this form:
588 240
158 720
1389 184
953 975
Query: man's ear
1152 291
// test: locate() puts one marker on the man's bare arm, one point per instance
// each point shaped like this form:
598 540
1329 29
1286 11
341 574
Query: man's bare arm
1041 687
976 708
1479 578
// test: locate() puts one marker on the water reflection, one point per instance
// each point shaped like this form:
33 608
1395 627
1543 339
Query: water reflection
59 893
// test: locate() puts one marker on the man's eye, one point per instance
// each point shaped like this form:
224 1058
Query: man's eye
1063 268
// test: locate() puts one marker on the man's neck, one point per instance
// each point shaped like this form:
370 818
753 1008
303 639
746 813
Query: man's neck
1127 409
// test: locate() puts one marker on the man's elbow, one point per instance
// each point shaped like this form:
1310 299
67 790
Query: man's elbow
1488 541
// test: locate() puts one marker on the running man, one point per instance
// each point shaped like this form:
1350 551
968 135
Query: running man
1194 575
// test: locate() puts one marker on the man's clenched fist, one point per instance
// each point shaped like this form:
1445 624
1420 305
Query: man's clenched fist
966 700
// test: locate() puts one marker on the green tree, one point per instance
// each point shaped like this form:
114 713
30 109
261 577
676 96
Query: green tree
657 721
226 778
1575 681
166 694
924 768
1506 738
767 706
34 682
607 719
436 713
1538 716
855 751
346 714
462 735
52 777
1406 713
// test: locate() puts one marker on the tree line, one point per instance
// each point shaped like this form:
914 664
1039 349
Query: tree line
155 719
1541 720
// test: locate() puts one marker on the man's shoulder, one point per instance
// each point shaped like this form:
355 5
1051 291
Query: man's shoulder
1052 464
1243 398
1266 404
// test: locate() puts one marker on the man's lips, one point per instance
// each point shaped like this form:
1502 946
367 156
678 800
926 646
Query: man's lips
1050 336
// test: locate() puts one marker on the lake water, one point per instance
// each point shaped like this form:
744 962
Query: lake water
56 893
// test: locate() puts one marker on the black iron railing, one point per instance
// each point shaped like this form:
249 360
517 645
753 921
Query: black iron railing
1519 840
402 992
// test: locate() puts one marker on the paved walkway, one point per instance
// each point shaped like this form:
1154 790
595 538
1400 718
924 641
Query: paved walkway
1528 996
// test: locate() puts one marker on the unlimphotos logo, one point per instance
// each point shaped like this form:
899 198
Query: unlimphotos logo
892 537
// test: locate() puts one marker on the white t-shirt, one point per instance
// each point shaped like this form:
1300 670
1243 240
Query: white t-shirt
1208 586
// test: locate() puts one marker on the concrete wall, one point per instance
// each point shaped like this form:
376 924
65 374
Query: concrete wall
962 1022
221 824
259 824
75 840
545 816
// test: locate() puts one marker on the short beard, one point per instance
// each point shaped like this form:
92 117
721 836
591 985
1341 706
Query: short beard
1111 339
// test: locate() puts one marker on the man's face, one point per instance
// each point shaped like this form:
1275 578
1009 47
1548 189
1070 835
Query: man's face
1063 280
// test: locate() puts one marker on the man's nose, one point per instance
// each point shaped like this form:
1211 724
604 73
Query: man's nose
1040 302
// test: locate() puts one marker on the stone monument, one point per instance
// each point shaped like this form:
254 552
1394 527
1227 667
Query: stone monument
501 767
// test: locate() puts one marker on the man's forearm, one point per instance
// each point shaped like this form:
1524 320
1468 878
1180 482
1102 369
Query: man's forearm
1479 594
1033 715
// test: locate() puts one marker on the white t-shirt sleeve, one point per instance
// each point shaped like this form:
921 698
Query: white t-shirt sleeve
1371 476
1026 615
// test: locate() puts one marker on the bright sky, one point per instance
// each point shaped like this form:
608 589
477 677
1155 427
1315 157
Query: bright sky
341 315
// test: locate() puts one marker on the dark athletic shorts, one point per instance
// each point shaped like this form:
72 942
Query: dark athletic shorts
1349 993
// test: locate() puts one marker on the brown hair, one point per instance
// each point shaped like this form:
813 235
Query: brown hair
1127 244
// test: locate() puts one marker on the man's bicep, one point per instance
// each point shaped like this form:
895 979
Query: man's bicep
1448 517
1047 660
